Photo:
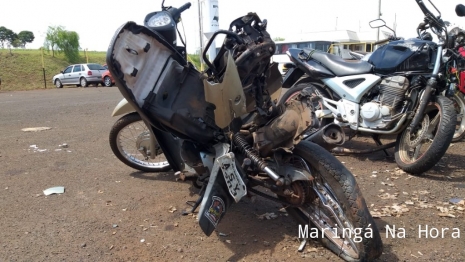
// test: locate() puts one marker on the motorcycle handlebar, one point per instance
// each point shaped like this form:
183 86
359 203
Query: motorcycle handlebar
429 17
184 7
176 12
424 8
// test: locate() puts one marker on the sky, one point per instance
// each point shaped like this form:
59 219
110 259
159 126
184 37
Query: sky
96 21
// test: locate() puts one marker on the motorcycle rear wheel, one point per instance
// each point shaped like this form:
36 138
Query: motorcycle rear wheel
435 130
459 104
129 141
345 207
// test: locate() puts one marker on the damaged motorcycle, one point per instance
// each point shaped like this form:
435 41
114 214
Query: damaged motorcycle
233 133
397 91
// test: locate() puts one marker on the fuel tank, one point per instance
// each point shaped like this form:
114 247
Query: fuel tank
404 55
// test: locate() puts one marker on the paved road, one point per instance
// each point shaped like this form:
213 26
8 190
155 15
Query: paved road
108 208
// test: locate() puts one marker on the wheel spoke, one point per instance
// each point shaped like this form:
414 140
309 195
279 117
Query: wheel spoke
416 152
136 135
433 124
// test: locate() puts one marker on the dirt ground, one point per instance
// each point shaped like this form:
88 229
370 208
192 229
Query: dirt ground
110 212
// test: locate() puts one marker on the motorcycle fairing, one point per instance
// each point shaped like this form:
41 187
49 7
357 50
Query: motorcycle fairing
155 78
166 141
227 96
131 48
352 88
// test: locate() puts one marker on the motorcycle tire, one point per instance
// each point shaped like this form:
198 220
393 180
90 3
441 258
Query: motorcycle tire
342 195
126 152
296 89
439 133
459 105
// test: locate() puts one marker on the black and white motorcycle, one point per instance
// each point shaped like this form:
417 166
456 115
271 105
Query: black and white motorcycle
397 91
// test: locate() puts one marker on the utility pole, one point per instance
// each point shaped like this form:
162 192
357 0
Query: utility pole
200 34
379 16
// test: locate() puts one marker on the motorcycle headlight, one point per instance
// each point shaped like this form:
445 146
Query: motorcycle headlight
159 20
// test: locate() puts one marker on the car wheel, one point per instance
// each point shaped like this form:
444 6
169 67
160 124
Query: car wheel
58 83
107 81
83 82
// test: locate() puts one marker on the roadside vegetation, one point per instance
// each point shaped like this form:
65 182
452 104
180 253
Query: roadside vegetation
22 69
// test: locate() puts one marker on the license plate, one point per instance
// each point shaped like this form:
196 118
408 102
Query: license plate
236 185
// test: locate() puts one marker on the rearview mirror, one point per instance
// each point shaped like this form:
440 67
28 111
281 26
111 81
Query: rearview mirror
377 23
61 72
460 10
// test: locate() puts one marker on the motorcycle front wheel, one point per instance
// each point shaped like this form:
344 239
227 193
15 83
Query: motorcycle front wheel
459 105
420 149
130 142
334 207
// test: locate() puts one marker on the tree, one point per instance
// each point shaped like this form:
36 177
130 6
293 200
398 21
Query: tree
51 38
25 37
68 42
3 37
17 43
279 38
11 37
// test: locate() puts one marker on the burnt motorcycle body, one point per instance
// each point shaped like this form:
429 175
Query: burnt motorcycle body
233 133
397 91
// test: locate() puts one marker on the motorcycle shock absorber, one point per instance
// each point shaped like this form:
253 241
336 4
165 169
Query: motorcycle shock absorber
252 154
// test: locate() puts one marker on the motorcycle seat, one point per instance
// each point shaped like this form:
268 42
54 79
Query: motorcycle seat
337 65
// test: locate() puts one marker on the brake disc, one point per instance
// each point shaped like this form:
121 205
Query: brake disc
415 137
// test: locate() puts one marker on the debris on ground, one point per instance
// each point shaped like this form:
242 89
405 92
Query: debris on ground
389 211
35 129
388 196
445 212
64 145
455 200
54 190
35 148
172 209
267 216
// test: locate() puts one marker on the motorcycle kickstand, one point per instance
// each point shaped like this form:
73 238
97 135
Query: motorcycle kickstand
378 143
195 204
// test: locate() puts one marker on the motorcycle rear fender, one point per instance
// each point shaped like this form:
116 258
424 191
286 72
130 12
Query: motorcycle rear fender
218 197
122 108
292 76
170 145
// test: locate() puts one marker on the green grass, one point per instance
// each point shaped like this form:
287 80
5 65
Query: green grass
22 70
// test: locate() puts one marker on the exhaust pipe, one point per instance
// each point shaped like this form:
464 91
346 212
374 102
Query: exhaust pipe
328 137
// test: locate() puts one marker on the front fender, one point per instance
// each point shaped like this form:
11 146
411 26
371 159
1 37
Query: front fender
122 108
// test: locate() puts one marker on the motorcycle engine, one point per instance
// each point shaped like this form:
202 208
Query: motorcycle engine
387 102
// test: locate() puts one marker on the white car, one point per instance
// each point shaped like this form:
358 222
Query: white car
80 75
